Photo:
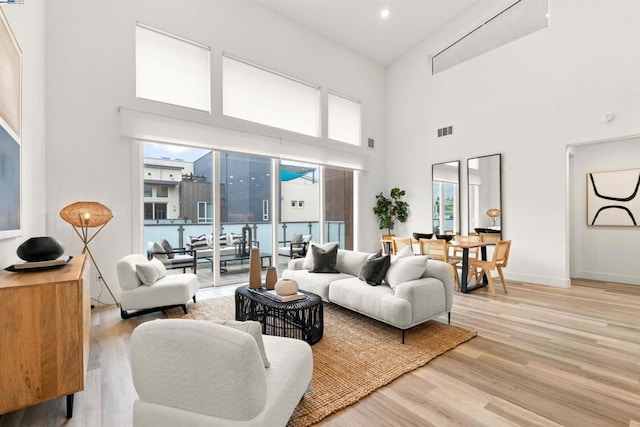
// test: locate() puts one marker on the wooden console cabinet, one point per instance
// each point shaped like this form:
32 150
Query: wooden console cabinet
45 318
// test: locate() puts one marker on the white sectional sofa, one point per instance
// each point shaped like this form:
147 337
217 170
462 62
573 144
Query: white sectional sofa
400 303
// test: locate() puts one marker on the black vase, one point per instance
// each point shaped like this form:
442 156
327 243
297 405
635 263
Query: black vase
40 249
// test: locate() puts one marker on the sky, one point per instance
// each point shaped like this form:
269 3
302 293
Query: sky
174 152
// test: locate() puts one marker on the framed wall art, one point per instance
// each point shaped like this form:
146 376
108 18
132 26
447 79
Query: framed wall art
613 198
10 131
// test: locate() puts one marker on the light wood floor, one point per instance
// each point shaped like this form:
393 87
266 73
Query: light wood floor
543 356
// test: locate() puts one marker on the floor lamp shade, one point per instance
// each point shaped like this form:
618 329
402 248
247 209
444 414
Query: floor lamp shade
85 215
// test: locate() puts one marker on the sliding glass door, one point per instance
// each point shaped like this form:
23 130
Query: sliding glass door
299 205
178 201
222 205
245 213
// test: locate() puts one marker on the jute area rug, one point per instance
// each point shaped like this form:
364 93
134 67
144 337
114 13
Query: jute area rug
355 356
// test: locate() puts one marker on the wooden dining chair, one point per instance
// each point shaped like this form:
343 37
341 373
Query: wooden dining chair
386 243
457 253
399 243
497 262
490 237
439 249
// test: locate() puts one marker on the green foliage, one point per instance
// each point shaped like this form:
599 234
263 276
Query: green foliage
391 209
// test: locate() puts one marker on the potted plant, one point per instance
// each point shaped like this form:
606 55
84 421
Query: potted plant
391 209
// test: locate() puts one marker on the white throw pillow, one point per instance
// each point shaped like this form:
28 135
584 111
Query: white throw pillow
405 269
404 252
254 329
150 272
162 270
147 273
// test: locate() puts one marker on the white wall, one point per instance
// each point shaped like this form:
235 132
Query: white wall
602 253
300 189
90 73
27 23
527 100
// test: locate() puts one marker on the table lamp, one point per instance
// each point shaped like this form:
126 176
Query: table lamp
494 214
85 215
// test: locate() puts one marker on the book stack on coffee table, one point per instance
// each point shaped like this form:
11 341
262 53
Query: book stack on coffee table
284 298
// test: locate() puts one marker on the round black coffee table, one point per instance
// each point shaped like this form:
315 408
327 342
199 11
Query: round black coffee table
302 319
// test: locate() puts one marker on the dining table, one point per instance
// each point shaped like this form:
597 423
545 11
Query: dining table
465 246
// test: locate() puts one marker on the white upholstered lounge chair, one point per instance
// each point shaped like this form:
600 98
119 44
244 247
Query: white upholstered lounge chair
199 373
136 298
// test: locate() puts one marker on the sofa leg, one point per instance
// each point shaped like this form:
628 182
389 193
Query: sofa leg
403 331
449 317
194 299
184 308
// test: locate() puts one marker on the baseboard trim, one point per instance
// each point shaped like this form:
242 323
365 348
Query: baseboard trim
608 277
539 280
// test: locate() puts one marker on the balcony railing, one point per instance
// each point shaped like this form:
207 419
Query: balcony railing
177 232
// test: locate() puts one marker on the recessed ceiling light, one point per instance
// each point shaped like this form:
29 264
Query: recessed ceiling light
384 14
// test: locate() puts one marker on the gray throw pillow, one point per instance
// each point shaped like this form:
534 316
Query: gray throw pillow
308 259
296 239
374 269
167 248
158 251
324 261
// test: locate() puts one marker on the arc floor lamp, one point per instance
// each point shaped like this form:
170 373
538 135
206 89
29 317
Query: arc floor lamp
85 215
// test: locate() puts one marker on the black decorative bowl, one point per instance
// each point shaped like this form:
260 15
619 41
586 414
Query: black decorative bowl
40 249
419 236
486 230
447 237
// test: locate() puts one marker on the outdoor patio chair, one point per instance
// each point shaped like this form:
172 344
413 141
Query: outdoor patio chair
297 247
174 257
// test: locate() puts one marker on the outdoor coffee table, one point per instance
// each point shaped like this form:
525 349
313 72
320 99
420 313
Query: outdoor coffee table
301 319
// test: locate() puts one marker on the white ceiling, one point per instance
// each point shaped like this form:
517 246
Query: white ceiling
357 25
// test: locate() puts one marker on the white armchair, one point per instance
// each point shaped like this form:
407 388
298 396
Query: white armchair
162 290
198 373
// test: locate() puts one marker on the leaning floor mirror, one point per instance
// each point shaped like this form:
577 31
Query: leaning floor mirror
445 180
485 194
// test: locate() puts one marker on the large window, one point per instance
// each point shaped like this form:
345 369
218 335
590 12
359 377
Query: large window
344 119
171 69
162 191
256 94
